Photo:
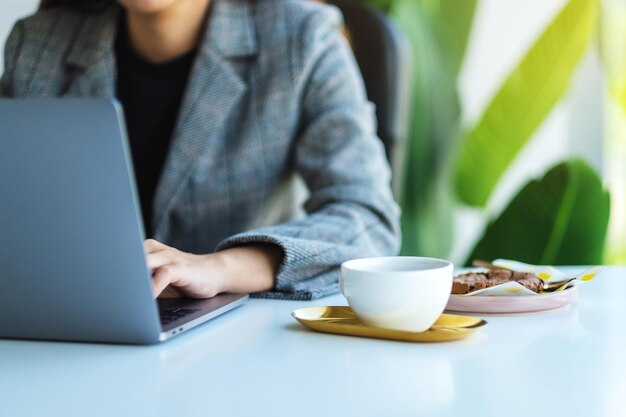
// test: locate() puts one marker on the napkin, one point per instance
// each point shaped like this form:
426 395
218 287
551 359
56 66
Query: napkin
545 272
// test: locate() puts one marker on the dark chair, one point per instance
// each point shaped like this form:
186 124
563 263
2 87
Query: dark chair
383 54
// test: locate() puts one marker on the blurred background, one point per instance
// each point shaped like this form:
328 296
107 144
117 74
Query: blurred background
516 128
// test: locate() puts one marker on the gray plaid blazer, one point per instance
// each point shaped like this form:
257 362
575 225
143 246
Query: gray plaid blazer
275 100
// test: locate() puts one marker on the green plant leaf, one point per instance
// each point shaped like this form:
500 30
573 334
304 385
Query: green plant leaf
426 131
381 4
561 219
613 49
523 101
455 23
437 52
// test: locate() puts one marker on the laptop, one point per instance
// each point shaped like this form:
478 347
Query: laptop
72 262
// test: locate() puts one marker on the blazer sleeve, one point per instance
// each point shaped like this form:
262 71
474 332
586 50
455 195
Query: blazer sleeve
351 210
11 51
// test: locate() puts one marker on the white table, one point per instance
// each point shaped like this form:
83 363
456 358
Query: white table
257 361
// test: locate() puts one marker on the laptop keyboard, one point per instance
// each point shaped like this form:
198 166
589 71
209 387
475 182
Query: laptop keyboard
169 315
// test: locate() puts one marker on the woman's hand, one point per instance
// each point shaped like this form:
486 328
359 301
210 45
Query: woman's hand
241 269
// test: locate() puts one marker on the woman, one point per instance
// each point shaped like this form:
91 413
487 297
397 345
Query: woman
226 102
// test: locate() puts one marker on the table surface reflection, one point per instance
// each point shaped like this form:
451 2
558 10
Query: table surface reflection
257 361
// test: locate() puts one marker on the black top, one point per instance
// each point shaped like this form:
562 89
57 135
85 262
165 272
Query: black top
151 95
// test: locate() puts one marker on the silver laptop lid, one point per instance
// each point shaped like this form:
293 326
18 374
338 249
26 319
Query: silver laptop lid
72 265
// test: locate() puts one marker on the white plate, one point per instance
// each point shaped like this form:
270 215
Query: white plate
477 304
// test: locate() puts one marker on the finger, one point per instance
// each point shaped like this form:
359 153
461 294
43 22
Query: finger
151 245
157 260
161 279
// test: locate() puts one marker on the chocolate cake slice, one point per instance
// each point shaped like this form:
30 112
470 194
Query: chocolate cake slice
472 281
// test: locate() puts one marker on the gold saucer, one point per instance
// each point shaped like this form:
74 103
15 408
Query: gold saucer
341 320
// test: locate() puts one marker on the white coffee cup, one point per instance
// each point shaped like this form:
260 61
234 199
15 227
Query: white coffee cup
397 292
